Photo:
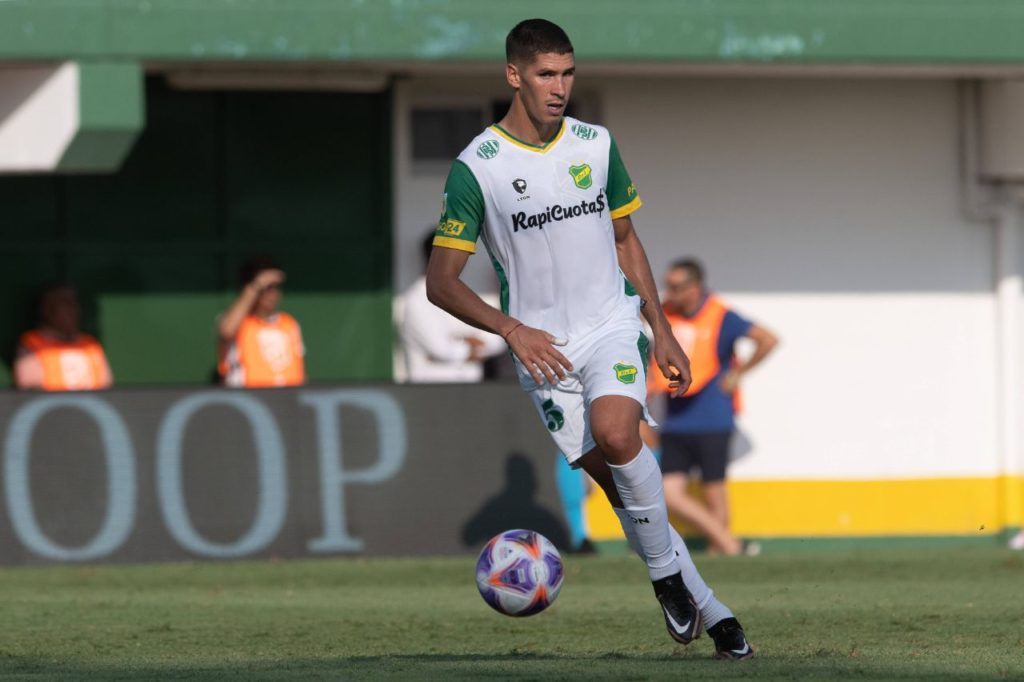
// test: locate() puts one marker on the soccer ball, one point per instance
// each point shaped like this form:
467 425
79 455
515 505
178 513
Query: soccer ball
519 573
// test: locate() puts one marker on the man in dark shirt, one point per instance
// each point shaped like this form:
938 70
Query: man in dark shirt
699 425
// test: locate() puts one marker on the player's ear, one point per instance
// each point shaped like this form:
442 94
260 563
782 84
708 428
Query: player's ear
512 76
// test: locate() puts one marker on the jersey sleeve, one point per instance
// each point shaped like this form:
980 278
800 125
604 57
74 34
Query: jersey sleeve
622 196
462 211
734 327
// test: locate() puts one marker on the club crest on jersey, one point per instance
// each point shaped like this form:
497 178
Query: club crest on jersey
581 175
487 149
625 373
584 132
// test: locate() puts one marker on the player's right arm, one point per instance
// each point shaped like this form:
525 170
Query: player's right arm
454 243
233 317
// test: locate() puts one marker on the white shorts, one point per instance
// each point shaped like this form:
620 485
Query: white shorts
612 361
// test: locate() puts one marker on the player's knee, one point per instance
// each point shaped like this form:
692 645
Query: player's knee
618 445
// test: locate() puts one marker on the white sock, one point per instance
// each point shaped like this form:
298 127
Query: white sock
639 486
711 610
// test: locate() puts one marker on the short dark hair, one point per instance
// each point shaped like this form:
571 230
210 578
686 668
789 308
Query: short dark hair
535 36
694 268
254 266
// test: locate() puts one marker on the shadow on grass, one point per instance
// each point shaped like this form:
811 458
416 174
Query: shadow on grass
512 666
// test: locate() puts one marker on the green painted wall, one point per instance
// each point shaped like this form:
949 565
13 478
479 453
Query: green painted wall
802 31
215 178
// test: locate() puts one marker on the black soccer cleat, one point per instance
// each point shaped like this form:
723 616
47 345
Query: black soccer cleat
730 641
682 617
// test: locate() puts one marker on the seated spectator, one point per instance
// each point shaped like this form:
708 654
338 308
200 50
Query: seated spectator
58 356
438 347
259 345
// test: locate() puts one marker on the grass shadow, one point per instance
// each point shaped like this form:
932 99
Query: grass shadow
511 666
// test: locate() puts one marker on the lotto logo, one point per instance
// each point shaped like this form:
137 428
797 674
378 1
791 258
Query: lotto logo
452 228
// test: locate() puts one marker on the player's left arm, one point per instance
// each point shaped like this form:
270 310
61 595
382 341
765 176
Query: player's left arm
668 354
764 343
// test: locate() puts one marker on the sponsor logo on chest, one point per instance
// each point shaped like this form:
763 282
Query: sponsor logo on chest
521 220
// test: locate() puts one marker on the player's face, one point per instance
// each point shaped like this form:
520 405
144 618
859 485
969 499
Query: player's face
544 85
682 292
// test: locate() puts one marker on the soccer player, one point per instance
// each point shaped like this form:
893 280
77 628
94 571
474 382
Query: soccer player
551 200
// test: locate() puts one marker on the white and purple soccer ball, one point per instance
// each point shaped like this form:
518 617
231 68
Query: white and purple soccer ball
519 573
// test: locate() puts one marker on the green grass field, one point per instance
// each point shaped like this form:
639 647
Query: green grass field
953 613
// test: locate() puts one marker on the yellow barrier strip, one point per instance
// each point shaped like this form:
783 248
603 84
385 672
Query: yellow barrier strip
838 508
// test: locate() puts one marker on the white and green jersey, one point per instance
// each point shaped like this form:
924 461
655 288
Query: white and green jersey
545 216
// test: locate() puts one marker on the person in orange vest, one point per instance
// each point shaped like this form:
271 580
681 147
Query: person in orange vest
58 356
699 425
260 346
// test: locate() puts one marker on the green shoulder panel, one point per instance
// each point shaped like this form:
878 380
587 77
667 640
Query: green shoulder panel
622 195
462 210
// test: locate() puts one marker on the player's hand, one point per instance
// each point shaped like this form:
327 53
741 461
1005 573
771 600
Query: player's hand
535 349
268 278
672 362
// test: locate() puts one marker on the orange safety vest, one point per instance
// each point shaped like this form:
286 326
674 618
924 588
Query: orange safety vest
698 336
77 365
265 353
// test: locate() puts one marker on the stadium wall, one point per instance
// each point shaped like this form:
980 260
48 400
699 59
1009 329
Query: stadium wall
167 475
831 211
982 32
155 248
828 209
154 475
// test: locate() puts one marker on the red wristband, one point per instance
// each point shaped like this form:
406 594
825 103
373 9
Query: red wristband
509 332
